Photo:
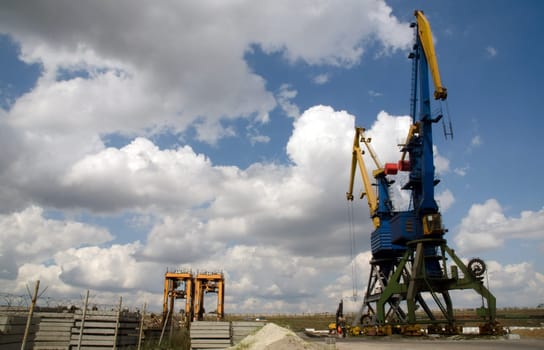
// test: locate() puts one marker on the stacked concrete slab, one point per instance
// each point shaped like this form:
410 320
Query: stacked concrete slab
60 330
53 330
210 335
104 329
220 335
241 329
12 330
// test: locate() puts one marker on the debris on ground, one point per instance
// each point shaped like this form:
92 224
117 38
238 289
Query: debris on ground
274 337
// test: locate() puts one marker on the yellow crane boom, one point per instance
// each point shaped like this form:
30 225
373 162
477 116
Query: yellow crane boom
426 38
357 160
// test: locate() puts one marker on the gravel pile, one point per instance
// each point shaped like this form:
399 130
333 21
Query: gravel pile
274 337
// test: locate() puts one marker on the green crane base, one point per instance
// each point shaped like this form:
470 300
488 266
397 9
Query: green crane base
396 298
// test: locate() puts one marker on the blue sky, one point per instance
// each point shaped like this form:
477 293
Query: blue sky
217 136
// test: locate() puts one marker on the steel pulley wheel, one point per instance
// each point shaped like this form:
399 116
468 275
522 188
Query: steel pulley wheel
476 266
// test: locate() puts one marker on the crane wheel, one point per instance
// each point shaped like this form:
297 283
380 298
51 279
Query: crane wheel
476 266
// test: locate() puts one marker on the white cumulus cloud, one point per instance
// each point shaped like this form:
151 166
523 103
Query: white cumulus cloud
28 237
487 227
140 175
163 64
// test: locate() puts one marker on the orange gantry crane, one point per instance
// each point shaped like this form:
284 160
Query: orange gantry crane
183 284
209 282
178 285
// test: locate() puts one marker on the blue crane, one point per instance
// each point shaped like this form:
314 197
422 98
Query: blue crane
409 252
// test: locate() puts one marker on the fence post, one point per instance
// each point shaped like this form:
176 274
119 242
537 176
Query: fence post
141 327
83 321
117 323
30 313
164 326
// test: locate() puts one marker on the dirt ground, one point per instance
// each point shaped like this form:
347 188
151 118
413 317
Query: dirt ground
447 344
529 332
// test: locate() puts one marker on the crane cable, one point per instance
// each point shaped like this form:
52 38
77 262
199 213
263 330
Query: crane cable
448 128
352 247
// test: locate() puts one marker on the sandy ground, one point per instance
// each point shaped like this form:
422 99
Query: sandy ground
274 337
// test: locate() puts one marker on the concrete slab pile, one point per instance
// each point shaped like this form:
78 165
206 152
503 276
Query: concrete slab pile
64 330
105 329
